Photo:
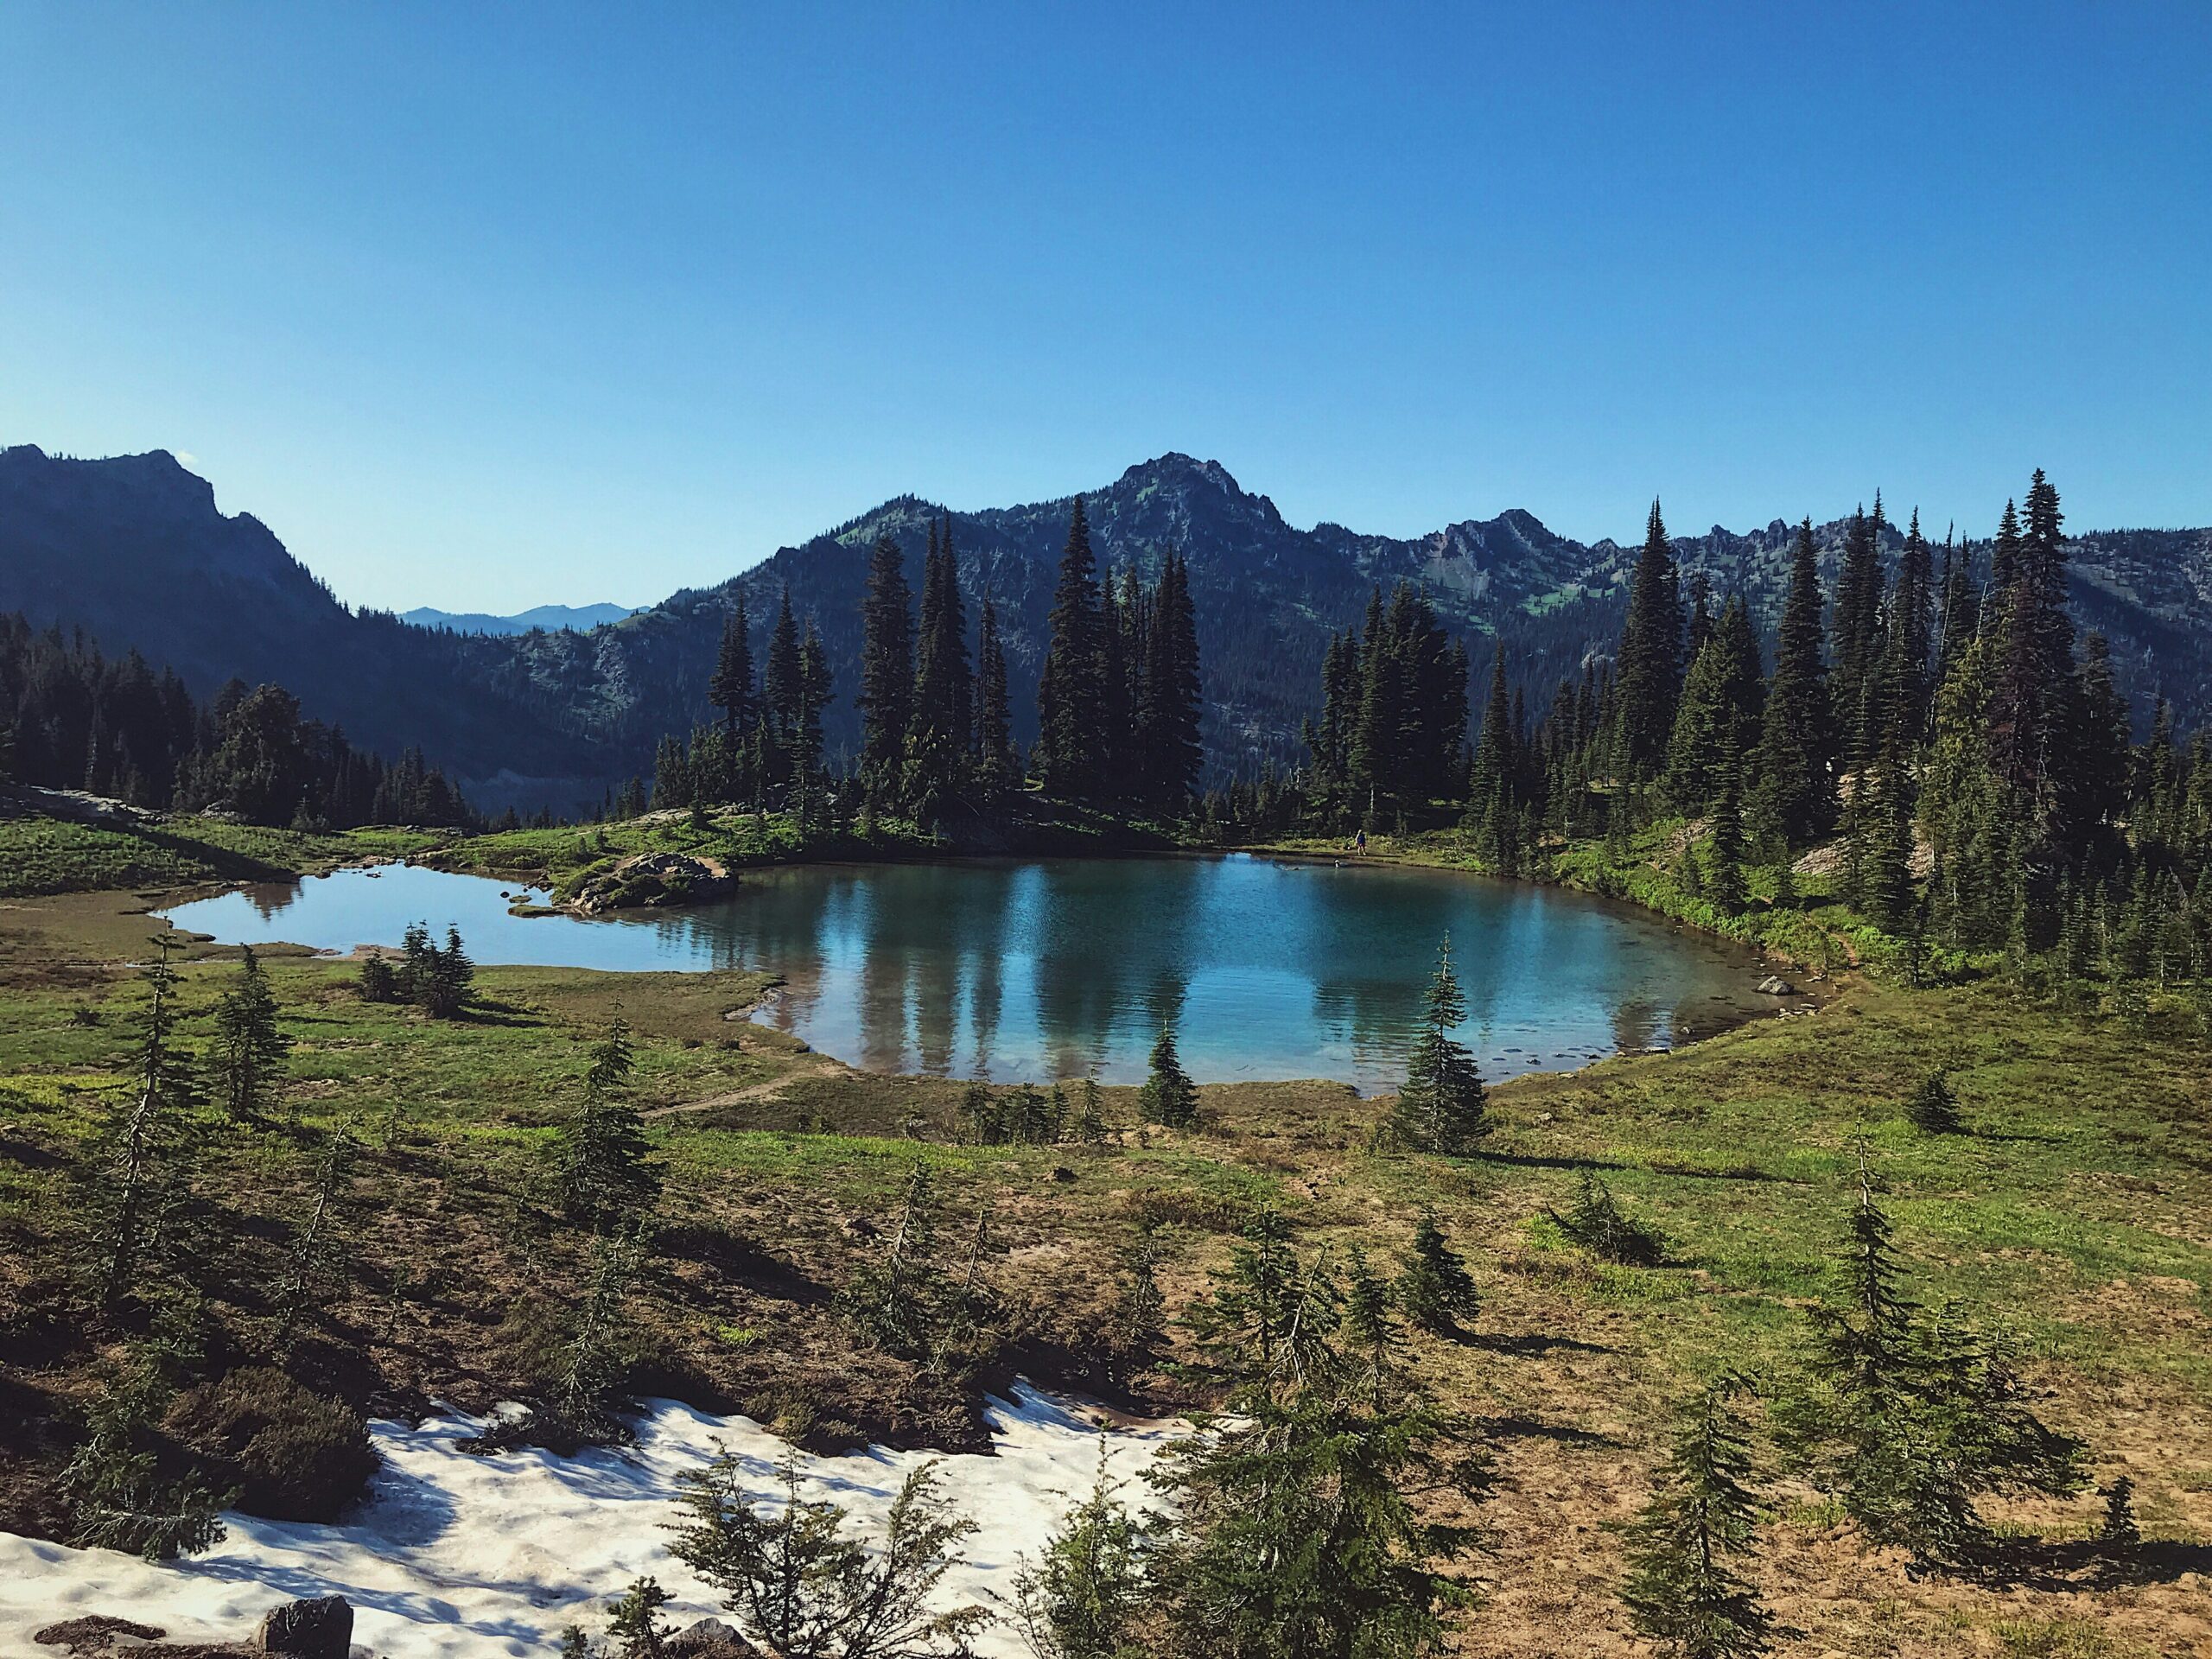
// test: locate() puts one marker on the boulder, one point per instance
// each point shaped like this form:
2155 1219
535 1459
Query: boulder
321 1628
1775 986
708 1639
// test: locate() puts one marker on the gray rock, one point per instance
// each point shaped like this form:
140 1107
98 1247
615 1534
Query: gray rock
320 1629
708 1639
1773 986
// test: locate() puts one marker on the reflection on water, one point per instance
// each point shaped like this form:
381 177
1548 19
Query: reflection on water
1067 968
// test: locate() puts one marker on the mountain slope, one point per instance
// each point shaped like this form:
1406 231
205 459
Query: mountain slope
133 550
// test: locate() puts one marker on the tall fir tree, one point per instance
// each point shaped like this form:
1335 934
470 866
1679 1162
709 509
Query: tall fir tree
730 689
1793 794
886 695
780 679
1493 808
1171 692
937 743
1071 690
1650 675
998 771
1857 629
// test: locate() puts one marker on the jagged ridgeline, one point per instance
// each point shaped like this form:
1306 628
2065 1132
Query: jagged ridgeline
135 552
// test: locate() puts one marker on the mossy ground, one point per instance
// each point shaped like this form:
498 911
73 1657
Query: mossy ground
2078 1211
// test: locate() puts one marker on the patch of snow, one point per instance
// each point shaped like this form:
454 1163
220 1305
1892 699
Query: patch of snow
453 1555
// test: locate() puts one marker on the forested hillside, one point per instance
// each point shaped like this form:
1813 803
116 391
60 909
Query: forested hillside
133 550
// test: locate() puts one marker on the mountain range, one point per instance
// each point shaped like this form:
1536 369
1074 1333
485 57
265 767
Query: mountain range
539 619
133 550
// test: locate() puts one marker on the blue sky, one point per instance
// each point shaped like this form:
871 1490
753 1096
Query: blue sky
489 306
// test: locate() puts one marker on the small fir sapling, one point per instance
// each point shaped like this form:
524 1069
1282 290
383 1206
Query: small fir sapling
1168 1098
249 1048
1441 1106
1434 1286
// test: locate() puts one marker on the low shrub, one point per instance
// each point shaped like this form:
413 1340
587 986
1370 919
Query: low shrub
294 1454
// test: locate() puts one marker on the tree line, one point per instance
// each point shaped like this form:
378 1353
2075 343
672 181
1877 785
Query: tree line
1934 717
71 718
1118 700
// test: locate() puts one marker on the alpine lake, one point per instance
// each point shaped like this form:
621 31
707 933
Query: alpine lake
1044 969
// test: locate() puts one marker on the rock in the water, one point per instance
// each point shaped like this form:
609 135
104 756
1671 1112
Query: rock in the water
654 879
319 1628
1772 986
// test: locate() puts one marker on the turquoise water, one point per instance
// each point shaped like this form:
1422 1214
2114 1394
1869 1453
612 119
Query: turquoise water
1044 968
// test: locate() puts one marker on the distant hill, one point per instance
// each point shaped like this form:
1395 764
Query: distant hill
548 619
133 550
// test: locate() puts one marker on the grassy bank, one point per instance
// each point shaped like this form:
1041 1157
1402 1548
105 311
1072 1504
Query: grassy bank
1804 922
41 855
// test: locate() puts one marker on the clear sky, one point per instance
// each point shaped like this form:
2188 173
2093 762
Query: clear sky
485 306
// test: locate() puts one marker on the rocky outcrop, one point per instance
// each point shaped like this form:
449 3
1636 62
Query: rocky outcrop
654 881
319 1627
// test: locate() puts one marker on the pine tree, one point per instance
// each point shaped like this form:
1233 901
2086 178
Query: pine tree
781 688
887 696
1724 849
1683 1589
1171 692
997 769
1933 1109
1491 805
1913 622
898 1300
451 980
138 1166
116 1497
1649 675
1071 690
320 1236
1917 1417
378 983
1435 1289
1793 793
1703 746
730 689
937 743
583 1406
1168 1098
1441 1106
814 694
1858 628
1298 1528
600 1157
249 1048
803 1587
1083 1600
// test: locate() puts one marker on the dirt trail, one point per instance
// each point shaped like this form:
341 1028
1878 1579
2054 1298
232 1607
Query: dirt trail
813 1066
